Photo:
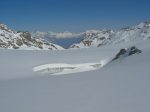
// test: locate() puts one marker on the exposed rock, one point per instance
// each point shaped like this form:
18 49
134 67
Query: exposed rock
87 42
26 35
127 52
134 50
74 46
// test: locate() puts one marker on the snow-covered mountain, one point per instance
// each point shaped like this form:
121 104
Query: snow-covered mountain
54 40
10 39
93 38
96 38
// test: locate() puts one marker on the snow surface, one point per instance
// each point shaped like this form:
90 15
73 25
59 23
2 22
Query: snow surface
120 86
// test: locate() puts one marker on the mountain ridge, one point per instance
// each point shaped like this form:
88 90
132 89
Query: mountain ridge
23 40
10 39
97 38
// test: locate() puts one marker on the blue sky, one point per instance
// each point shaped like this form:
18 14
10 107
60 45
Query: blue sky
72 15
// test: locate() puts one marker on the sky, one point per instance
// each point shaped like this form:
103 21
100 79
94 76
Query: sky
73 15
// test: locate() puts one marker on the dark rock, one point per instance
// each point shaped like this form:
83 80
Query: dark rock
134 50
19 42
87 42
102 38
26 35
121 52
127 52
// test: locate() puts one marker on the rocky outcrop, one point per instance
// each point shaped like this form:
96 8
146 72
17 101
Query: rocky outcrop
127 52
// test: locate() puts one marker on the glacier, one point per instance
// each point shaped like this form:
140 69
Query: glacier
119 86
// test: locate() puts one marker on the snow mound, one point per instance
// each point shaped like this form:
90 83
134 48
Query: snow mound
62 68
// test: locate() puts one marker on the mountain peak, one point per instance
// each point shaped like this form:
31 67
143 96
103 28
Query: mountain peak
5 28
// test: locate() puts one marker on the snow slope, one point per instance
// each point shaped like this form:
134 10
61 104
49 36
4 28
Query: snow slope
120 86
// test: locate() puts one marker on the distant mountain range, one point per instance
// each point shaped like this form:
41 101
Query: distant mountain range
91 38
64 39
